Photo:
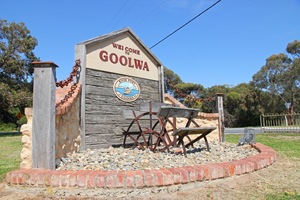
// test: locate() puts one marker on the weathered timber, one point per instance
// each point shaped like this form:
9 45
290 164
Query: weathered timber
104 117
43 124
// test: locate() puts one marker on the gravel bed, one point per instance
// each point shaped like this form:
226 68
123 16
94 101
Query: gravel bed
135 159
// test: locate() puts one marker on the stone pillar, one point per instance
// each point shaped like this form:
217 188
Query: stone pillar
43 124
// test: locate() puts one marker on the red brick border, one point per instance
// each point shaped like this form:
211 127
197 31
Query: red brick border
141 178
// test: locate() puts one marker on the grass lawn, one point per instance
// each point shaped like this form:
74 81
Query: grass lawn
287 144
10 149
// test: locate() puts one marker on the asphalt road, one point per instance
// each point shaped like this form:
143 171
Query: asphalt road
241 130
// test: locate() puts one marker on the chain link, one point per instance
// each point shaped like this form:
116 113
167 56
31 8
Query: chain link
67 82
72 74
188 97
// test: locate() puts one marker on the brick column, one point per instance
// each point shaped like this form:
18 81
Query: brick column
43 123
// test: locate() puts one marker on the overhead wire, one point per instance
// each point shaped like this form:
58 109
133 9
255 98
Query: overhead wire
125 13
149 14
185 24
115 16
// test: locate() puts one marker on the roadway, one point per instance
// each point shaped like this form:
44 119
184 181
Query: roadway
241 130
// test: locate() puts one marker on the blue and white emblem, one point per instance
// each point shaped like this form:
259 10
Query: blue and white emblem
126 89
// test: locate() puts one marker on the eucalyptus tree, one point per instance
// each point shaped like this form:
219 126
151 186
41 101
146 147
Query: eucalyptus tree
281 76
171 79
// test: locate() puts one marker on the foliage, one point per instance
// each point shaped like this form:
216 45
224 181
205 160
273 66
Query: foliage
10 149
188 92
243 102
16 55
7 127
171 79
281 75
182 91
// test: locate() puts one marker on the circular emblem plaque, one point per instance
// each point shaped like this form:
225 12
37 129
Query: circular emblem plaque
126 89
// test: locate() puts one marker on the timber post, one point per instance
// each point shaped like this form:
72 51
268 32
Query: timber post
43 124
221 124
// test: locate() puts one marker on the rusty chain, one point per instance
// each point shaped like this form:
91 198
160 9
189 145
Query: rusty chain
67 82
188 97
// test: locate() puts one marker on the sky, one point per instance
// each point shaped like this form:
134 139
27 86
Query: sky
228 44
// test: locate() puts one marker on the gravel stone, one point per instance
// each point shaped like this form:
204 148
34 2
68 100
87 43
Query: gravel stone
135 159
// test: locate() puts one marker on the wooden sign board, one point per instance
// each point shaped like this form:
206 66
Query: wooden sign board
118 73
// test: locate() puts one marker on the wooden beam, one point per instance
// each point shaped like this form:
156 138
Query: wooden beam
43 119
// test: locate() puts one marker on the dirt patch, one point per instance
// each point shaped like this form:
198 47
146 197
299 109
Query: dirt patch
282 176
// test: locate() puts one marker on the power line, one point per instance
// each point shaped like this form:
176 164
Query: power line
143 19
126 12
185 24
115 16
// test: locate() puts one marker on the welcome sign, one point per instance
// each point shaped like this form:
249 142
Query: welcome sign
118 74
121 54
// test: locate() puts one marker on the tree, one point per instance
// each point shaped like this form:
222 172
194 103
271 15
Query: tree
171 79
281 75
293 48
16 55
189 94
243 103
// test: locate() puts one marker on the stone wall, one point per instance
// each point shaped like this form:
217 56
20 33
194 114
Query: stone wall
67 128
26 129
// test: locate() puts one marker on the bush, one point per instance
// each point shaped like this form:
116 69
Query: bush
7 127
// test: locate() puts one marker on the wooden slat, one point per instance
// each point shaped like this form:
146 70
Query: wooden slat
171 111
144 107
192 131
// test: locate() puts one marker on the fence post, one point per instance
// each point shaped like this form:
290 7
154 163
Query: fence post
43 119
262 123
221 125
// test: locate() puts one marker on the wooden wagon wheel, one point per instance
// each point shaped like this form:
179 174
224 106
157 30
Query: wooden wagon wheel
146 131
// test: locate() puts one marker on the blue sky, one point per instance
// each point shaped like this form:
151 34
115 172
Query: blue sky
226 45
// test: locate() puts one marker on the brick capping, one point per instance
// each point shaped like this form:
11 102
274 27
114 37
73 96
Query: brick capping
61 93
141 178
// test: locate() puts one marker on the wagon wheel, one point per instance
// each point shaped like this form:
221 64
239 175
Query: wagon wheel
146 131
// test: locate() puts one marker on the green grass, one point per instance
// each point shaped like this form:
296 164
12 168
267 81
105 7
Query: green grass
10 149
283 196
288 144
